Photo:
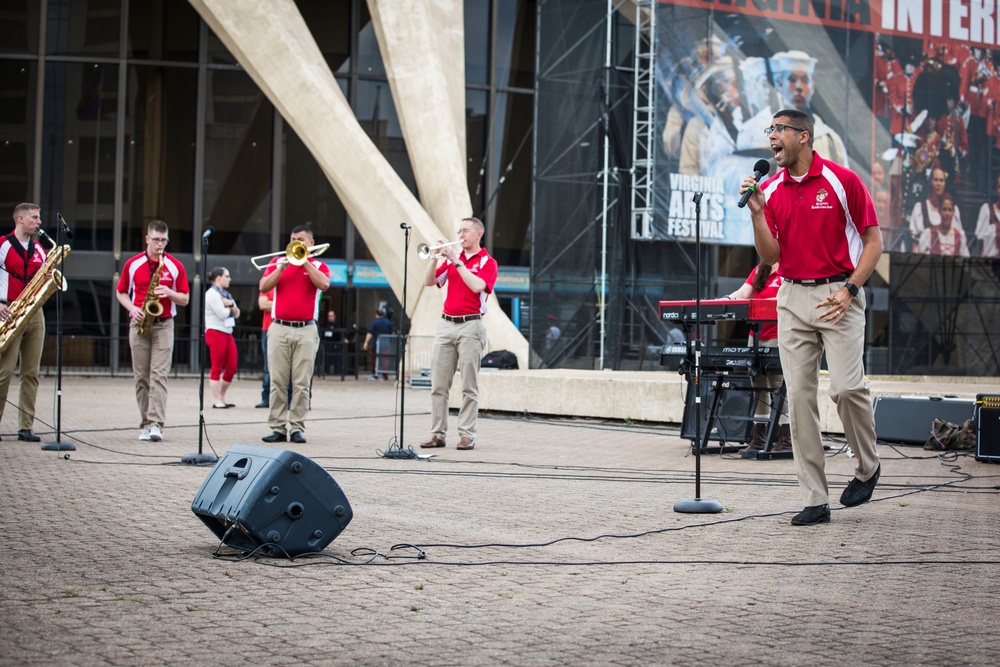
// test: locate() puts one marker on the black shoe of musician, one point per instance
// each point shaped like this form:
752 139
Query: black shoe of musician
298 438
276 436
27 435
263 404
810 516
858 492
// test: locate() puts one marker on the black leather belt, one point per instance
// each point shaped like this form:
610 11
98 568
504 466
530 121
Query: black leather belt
295 324
459 320
819 281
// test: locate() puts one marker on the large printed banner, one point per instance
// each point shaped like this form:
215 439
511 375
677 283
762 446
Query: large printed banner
904 92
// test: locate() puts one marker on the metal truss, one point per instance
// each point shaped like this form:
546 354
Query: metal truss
643 119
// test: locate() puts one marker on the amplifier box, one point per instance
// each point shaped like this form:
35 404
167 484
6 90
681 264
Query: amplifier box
273 499
909 419
988 428
733 419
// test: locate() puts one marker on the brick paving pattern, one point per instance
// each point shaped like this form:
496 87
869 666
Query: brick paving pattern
105 564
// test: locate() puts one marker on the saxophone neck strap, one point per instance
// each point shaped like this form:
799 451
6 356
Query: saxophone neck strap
25 253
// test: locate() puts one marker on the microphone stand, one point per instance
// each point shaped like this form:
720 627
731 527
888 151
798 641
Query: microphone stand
396 450
200 456
697 505
59 445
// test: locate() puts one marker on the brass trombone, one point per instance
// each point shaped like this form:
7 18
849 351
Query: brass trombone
296 252
425 251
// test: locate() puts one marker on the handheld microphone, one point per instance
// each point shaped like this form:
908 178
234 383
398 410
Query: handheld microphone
65 228
403 225
760 170
207 233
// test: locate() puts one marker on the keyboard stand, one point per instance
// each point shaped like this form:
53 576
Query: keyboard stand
713 415
771 438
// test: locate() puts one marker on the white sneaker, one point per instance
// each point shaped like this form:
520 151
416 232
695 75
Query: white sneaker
155 434
144 434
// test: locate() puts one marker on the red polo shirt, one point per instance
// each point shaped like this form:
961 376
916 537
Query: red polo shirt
818 222
137 273
295 297
461 300
17 266
768 330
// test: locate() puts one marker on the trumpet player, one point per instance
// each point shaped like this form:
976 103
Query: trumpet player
460 338
292 338
152 353
21 257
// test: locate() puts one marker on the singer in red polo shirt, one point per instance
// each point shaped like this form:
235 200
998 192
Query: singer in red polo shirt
460 339
292 339
817 217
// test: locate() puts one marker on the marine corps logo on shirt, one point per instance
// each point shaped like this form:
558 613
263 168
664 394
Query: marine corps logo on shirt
821 202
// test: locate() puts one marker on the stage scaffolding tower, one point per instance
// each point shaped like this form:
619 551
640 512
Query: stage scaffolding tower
644 119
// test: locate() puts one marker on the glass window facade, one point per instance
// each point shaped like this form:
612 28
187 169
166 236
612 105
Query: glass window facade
144 114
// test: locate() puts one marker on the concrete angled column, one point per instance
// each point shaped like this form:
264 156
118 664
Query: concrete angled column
272 43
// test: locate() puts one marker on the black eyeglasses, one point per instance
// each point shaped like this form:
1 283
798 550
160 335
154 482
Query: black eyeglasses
780 127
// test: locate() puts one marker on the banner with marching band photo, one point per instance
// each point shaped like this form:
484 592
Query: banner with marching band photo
906 93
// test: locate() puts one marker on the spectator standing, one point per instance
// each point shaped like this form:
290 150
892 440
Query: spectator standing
221 312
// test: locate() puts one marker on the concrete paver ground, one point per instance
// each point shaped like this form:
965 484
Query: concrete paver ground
552 542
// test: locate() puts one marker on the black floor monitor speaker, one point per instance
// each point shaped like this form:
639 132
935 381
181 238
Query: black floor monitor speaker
909 419
274 499
736 405
988 428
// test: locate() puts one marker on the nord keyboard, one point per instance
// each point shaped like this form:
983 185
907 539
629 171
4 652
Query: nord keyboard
720 310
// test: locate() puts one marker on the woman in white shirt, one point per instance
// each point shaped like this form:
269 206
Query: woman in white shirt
221 312
988 224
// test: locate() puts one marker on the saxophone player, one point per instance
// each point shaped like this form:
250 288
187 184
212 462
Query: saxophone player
21 256
153 349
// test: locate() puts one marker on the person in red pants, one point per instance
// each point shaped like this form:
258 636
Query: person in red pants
221 312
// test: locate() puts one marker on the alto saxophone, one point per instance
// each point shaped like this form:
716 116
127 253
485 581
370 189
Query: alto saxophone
151 306
41 286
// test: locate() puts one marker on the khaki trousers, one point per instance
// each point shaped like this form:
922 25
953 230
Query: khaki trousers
26 347
802 339
291 355
456 347
152 356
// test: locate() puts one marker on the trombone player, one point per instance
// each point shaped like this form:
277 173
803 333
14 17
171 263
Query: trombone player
297 279
21 257
151 315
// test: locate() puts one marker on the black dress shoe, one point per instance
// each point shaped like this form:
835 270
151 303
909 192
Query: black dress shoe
858 492
275 436
298 438
263 404
810 516
27 435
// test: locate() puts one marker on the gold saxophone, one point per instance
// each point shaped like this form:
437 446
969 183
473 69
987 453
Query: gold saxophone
41 286
151 306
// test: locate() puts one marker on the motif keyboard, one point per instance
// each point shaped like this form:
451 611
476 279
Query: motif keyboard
723 359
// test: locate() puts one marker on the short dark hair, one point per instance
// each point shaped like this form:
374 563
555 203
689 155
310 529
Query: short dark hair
298 229
801 119
157 226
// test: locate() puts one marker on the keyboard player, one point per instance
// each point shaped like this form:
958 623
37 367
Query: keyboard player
763 283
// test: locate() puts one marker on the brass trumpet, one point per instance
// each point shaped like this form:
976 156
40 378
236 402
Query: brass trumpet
425 251
296 252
